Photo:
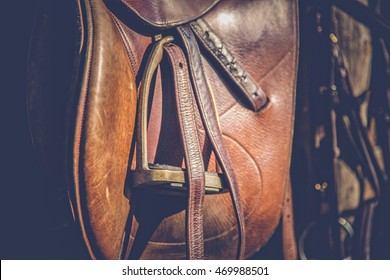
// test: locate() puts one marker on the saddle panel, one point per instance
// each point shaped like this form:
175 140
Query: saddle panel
262 141
103 133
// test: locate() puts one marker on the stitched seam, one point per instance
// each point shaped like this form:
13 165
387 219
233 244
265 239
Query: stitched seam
276 65
269 72
195 175
130 54
164 23
193 211
258 169
79 136
227 71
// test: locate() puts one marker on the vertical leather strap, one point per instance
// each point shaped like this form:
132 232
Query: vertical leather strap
210 121
192 152
288 233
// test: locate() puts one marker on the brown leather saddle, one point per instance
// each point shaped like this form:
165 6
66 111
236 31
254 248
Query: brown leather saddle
169 122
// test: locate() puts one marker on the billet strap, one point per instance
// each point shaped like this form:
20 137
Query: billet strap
288 233
192 152
244 82
210 122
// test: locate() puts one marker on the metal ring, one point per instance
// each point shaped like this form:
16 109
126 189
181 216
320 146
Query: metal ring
301 243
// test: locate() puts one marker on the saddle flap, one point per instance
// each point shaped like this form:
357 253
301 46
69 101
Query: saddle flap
169 13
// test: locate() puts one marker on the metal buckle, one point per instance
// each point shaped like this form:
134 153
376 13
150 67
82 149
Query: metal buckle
161 178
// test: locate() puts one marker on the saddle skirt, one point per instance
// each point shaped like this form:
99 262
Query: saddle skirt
109 96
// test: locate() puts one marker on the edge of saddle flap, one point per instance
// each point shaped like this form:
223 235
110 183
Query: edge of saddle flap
164 13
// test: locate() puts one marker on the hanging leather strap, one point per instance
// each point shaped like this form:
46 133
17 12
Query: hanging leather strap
244 83
288 233
192 152
210 122
195 171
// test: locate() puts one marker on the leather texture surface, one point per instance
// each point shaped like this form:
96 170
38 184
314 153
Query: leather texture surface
104 126
192 155
169 13
261 35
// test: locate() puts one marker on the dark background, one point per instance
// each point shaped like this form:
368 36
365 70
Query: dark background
25 231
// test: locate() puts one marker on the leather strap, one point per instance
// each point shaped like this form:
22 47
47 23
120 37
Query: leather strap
288 233
244 82
192 152
210 122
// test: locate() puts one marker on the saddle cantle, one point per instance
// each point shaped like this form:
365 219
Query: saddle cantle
169 122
